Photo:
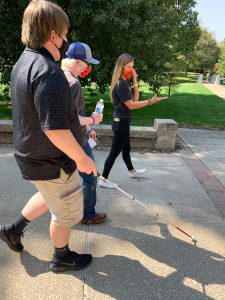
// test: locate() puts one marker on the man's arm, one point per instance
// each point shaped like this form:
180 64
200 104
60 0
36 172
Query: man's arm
64 140
94 119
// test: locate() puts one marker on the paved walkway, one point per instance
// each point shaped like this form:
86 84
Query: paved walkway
216 89
205 176
138 253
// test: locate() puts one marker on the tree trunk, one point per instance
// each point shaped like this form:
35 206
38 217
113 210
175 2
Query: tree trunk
186 69
169 90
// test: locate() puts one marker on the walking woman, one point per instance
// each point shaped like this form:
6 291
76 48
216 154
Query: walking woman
124 101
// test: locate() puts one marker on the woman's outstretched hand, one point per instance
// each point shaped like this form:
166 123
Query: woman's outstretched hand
156 99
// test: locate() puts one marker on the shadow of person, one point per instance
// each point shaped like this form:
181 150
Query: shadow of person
190 262
120 277
204 266
123 278
33 265
4 257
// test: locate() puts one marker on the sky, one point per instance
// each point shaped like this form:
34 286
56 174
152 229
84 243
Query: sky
211 14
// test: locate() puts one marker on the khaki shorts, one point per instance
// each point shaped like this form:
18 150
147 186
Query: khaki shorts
64 198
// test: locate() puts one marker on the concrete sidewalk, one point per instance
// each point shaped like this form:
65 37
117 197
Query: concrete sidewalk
216 89
138 253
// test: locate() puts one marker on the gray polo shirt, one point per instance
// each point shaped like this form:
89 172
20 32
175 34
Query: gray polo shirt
41 100
78 97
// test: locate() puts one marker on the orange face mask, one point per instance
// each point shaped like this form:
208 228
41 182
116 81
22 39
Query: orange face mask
127 74
85 72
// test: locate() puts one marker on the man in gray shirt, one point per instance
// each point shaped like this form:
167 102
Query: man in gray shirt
77 64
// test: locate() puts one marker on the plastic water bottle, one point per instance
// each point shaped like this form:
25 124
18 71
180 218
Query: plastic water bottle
99 106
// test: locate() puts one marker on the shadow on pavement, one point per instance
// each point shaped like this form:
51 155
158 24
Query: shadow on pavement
198 265
33 265
123 278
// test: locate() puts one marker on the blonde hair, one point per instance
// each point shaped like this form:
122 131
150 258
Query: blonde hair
67 63
122 60
39 19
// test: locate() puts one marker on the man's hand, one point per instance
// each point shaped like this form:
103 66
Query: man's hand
93 134
155 99
86 165
98 117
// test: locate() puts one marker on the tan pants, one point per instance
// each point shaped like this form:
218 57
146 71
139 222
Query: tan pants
64 198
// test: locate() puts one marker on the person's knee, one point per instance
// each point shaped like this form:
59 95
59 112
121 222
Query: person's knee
74 216
68 222
89 179
126 149
69 210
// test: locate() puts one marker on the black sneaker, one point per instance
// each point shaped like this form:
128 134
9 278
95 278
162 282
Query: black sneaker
12 240
71 261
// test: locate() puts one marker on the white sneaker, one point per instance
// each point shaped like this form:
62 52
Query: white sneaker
107 184
137 173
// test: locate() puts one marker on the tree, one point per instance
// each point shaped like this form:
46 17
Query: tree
148 30
221 64
11 12
188 34
206 52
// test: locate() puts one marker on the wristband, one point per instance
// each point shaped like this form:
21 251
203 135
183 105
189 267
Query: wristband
89 131
93 120
135 84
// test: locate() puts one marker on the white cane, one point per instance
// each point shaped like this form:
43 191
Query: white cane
144 206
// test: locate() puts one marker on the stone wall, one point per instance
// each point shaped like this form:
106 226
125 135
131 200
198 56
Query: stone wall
6 131
160 137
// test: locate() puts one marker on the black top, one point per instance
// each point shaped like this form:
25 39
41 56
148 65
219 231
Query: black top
120 94
41 100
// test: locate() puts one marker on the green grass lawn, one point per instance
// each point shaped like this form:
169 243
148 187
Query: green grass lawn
5 106
190 105
5 110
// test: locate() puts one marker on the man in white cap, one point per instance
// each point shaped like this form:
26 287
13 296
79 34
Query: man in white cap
77 64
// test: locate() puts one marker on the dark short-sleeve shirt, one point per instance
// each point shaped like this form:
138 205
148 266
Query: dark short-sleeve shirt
78 97
120 94
41 101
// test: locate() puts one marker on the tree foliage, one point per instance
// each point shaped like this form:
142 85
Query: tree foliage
152 31
148 30
11 13
221 64
206 53
187 37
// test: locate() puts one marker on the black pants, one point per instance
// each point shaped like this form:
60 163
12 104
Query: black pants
120 142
